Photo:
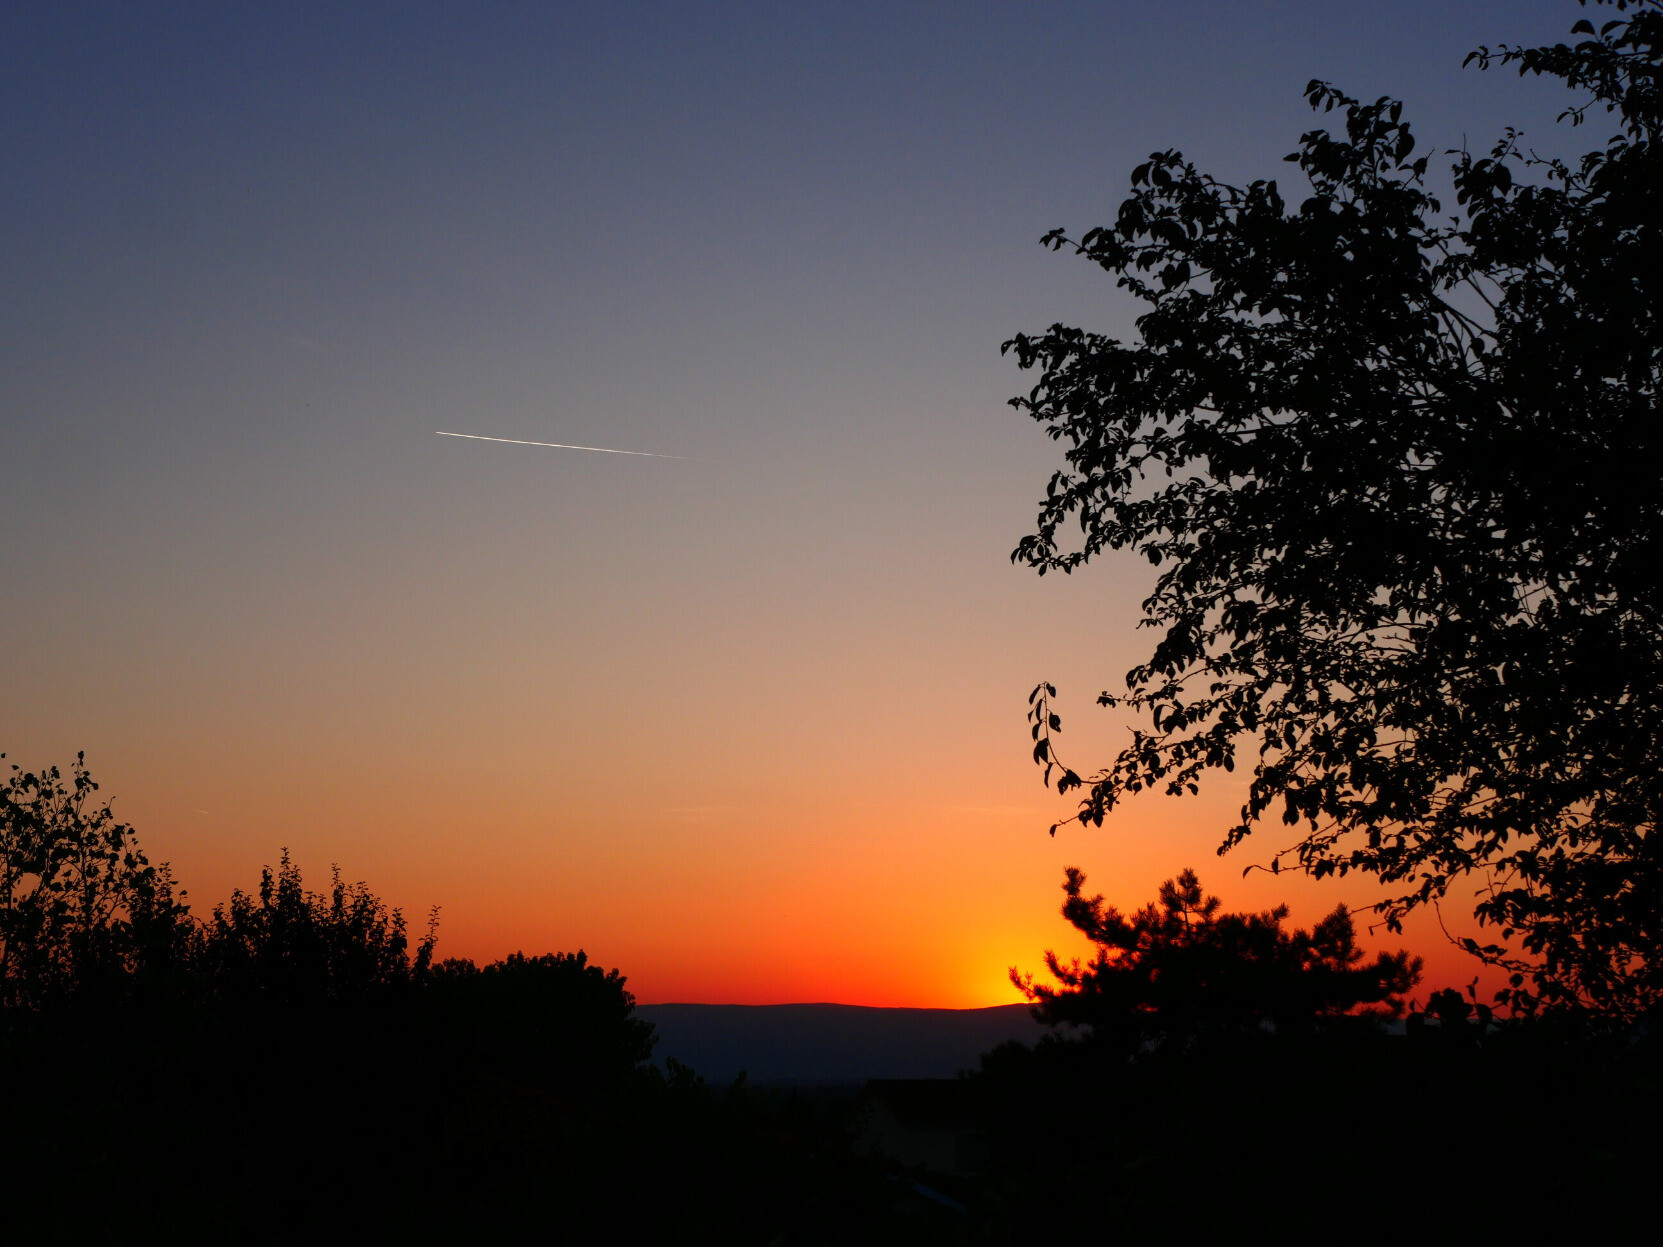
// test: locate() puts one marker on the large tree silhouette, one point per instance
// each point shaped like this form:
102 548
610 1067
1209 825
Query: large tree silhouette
1400 473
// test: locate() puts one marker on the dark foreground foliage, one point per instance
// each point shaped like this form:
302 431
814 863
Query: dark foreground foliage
291 1068
365 1122
1526 1129
369 1122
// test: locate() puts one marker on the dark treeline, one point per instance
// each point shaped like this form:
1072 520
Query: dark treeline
294 1065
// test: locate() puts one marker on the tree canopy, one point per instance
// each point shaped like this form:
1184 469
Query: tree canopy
553 1020
1179 971
288 945
1400 474
87 920
82 910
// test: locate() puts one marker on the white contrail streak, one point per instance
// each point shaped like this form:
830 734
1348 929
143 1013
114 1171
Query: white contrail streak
601 450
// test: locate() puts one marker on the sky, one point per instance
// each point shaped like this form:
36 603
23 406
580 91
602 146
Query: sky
748 724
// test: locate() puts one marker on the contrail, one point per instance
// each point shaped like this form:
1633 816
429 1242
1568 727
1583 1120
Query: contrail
602 450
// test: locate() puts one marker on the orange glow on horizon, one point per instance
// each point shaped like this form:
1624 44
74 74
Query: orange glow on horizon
928 907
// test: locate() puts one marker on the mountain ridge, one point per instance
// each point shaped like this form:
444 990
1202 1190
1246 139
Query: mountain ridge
830 1042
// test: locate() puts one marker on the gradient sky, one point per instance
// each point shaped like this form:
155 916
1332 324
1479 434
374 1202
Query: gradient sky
749 726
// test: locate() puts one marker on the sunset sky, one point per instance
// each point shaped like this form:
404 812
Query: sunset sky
748 724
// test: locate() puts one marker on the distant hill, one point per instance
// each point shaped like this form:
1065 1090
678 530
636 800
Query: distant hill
831 1043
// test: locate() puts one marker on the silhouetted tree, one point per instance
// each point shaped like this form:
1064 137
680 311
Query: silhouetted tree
1179 971
554 1020
289 945
1401 475
83 913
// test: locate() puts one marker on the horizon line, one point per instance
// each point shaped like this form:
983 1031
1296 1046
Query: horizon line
834 1004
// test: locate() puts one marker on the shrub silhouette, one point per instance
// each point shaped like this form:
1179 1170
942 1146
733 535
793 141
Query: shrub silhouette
1179 971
